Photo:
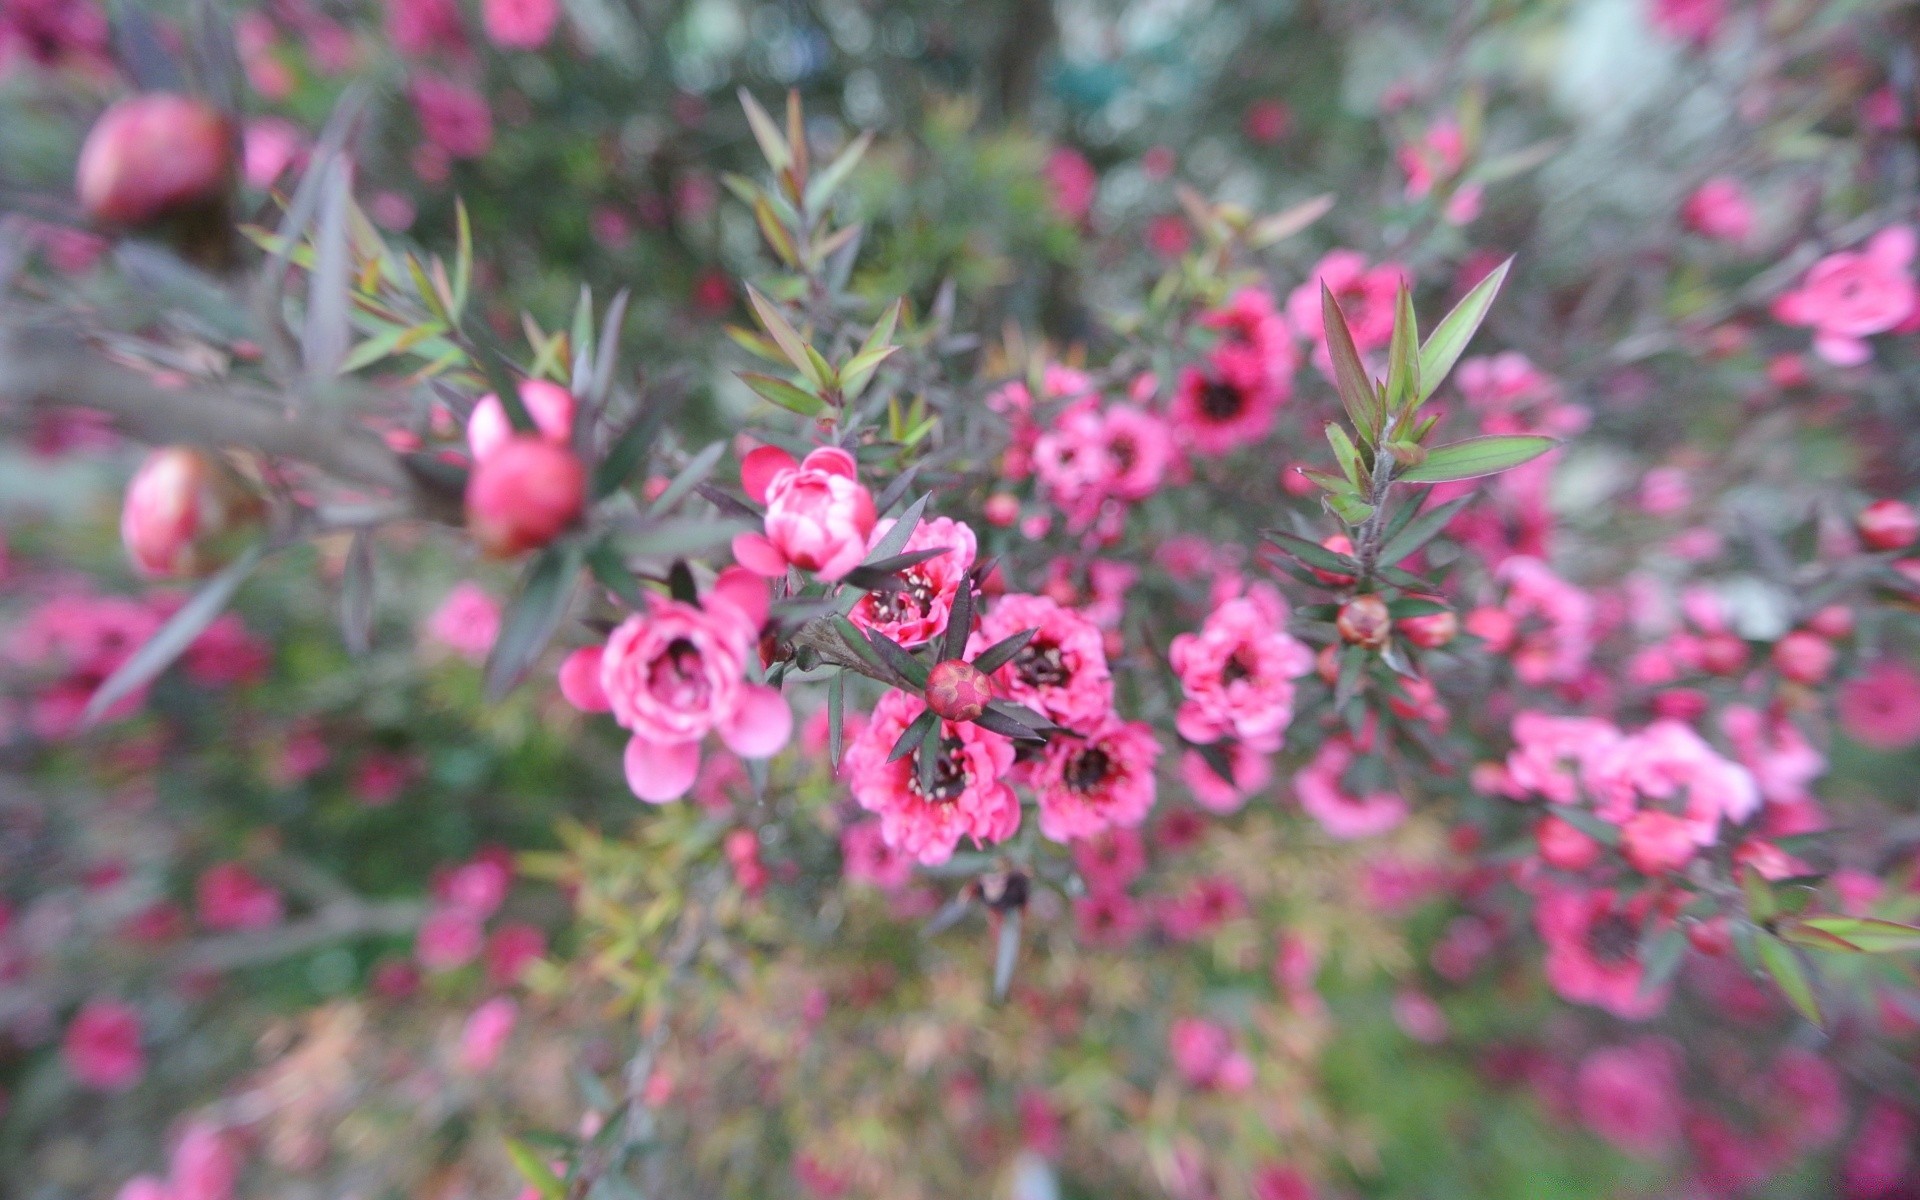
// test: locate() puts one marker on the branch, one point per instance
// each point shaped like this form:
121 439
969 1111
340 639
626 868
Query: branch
53 365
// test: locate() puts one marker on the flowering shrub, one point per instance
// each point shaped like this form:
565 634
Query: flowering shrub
1341 625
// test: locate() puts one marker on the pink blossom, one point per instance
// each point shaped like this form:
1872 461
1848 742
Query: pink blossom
1108 918
485 1034
1656 842
1202 908
1692 21
448 938
467 622
1111 859
1436 157
1282 1183
230 897
970 797
1808 1097
1881 707
1339 812
1774 751
1553 619
1237 674
227 653
102 1046
519 24
1095 456
453 117
1367 296
422 27
818 515
1852 294
1419 1017
510 950
1593 943
144 1187
675 673
1062 670
917 613
1251 768
1230 398
478 887
1630 1094
867 858
1504 382
269 145
549 405
1073 183
205 1164
1881 1153
1204 1054
1100 779
1668 762
1719 209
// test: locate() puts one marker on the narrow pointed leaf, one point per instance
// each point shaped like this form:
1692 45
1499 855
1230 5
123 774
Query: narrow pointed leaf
953 641
1313 553
1006 955
1783 965
821 188
1003 651
533 616
773 146
791 397
1449 339
1346 453
836 718
690 477
1871 934
897 537
1403 355
1420 530
1349 373
1475 457
612 573
898 659
914 734
173 638
785 336
357 595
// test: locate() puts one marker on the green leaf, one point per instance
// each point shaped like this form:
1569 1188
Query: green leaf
953 640
1661 956
462 256
911 737
823 185
1604 832
1449 340
1759 894
836 717
785 336
533 616
899 660
173 638
1347 454
501 378
1350 509
356 594
625 454
1475 457
1349 373
1870 934
1003 651
856 641
897 537
534 1168
607 566
1313 553
323 337
778 239
778 391
1421 530
1416 606
1403 356
1780 962
691 476
859 370
773 146
1006 954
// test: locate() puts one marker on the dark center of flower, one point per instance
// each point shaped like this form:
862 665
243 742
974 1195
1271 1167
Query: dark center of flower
908 603
1039 664
1087 770
1221 401
675 678
1236 668
1613 938
1124 453
949 774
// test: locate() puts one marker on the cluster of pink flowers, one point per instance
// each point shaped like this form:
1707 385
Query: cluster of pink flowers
1851 295
1237 673
205 1166
970 796
1231 397
1435 158
1096 458
1366 294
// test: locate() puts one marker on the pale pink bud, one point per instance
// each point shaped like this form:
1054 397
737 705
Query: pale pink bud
525 494
152 154
187 513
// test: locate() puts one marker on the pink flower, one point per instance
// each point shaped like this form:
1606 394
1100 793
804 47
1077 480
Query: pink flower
422 27
1809 1098
511 949
1103 778
1657 843
1229 399
867 858
269 145
453 116
1206 1057
478 887
1419 1017
1237 673
467 622
818 515
1073 182
1719 209
1111 859
1108 918
1774 751
1281 1183
1342 814
449 937
1691 21
1849 295
1435 158
144 1187
1251 769
917 613
186 513
1547 752
969 798
1881 708
205 1165
520 24
1207 903
1062 670
1554 621
485 1034
676 672
1593 945
1367 296
1668 762
580 680
1882 1152
230 897
102 1046
550 405
1630 1095
227 653
1095 456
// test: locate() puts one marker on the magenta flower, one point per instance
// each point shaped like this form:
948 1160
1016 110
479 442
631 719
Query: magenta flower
1098 780
1249 766
1593 946
1366 294
519 24
1205 1055
1630 1095
466 622
867 858
1061 672
917 613
230 897
102 1046
676 672
1341 813
1237 673
453 117
1719 209
485 1034
818 515
1881 708
969 797
1848 296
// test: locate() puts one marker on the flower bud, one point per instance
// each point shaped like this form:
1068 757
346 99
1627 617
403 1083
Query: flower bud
1564 846
524 495
957 690
1834 622
151 155
1888 525
1722 653
1803 657
1365 621
1711 936
187 513
1494 626
1429 631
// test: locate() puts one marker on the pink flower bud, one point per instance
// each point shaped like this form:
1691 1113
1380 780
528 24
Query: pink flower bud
818 514
1429 631
550 405
1365 621
1804 657
187 513
1564 846
153 154
1656 842
958 691
524 495
1888 525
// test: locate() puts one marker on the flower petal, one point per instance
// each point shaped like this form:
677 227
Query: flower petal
759 467
754 552
580 680
760 724
833 460
748 592
661 771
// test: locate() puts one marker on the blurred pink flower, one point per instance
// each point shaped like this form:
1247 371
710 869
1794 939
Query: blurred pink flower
486 1032
1881 707
229 896
1630 1094
1852 294
467 622
1719 209
519 24
102 1046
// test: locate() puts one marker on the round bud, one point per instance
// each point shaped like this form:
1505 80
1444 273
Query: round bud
1339 543
1835 621
1494 626
1804 657
957 690
1888 525
187 513
523 495
151 155
1365 621
1565 847
1722 654
1710 936
1429 631
1001 509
